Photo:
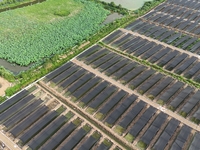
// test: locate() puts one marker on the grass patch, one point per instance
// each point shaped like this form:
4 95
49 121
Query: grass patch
171 108
122 82
107 142
161 102
96 135
69 115
73 99
109 125
52 84
99 116
141 145
140 91
87 128
182 113
61 109
90 110
77 121
62 13
151 97
129 138
67 94
45 80
33 88
118 129
195 120
81 105
60 89
132 87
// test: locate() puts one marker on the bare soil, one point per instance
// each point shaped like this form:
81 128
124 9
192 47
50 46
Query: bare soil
4 84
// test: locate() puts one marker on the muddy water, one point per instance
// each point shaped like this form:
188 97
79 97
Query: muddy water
12 67
112 17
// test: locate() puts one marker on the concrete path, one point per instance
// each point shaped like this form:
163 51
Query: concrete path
8 142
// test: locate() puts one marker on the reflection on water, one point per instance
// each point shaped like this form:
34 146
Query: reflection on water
12 67
129 4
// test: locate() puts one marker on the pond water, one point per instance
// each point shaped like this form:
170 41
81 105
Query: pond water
112 17
12 67
129 4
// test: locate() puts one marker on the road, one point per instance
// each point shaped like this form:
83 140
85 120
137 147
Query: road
8 142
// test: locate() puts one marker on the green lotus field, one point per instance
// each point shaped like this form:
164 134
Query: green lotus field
32 33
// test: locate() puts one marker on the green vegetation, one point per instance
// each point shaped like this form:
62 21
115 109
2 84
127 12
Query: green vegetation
118 129
160 102
107 142
77 121
183 114
73 99
6 74
69 115
90 110
61 109
38 93
35 32
87 127
141 145
195 120
96 135
52 85
132 87
129 138
171 108
99 116
59 89
109 125
81 104
2 99
62 13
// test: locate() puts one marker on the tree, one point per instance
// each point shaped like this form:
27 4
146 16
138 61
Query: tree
112 4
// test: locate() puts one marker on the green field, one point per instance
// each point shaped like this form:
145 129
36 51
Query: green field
34 32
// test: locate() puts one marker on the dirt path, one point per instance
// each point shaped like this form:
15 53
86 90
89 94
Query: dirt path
4 84
145 99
